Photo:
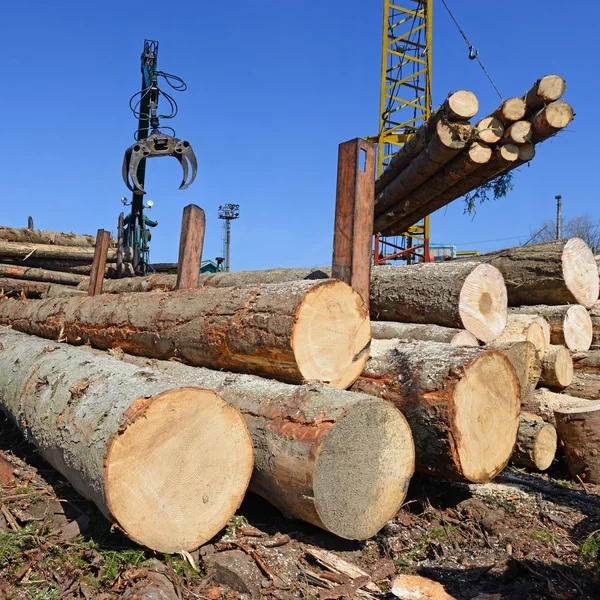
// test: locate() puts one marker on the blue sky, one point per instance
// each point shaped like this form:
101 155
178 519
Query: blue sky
274 87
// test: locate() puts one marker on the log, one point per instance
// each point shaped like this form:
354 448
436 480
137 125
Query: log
584 385
462 404
451 294
543 403
446 142
510 110
526 362
531 328
477 154
40 236
587 362
579 433
70 266
595 316
459 103
129 440
557 368
545 90
570 326
536 443
27 250
31 274
518 133
550 120
502 158
297 331
339 460
489 130
21 287
556 272
390 330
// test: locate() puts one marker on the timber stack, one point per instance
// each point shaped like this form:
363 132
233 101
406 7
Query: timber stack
449 157
37 263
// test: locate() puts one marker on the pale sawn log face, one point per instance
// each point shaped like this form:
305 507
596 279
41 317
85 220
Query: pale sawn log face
462 404
129 440
536 443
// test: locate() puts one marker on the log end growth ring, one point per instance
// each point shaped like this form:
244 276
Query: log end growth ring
580 272
179 470
536 335
578 329
483 303
332 334
544 449
487 405
363 470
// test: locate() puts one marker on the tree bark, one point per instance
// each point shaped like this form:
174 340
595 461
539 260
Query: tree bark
20 287
510 110
556 272
557 368
490 130
518 133
28 250
297 331
543 403
339 460
584 385
390 330
526 362
545 90
550 120
32 274
39 236
129 440
587 362
446 143
595 316
476 155
570 326
462 404
531 328
451 294
536 443
69 266
459 103
579 432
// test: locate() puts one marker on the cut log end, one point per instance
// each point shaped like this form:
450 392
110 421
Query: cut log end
163 458
464 338
479 153
461 105
557 367
578 328
512 109
490 130
544 449
518 133
580 272
483 303
355 503
526 152
487 406
536 443
535 334
338 353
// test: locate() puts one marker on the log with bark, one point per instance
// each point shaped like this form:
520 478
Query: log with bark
550 120
27 250
557 368
76 267
570 326
518 133
297 331
168 464
451 294
543 403
502 159
391 330
545 90
339 460
447 141
579 432
536 443
462 104
587 362
526 362
489 130
556 272
476 155
40 236
595 316
22 288
531 328
462 404
43 275
584 385
510 110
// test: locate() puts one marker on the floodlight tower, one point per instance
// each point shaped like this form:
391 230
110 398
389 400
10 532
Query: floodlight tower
228 212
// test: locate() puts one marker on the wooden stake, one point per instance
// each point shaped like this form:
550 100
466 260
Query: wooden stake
354 213
191 241
99 262
120 246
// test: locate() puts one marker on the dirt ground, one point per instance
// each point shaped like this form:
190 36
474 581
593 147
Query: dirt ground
524 536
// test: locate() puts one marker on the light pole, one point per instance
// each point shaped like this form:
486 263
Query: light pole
558 217
228 212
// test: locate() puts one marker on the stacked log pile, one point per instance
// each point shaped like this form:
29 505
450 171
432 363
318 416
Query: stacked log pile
448 157
36 263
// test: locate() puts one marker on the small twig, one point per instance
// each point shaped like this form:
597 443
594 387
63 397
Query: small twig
9 518
582 484
29 254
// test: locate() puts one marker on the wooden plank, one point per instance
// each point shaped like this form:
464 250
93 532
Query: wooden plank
120 246
99 262
190 247
354 213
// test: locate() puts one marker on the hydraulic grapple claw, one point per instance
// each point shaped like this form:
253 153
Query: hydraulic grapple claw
158 144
